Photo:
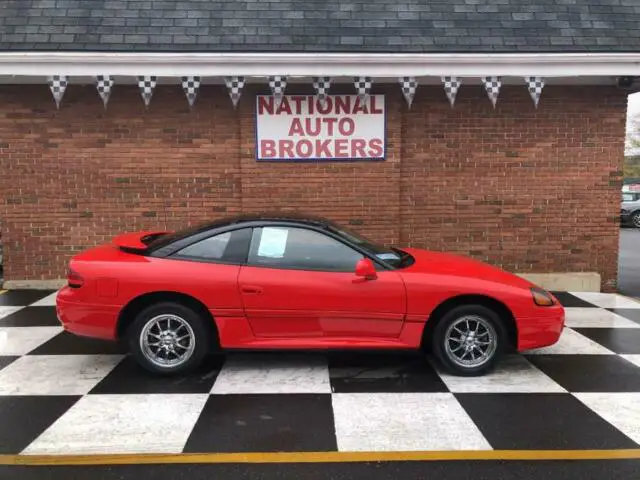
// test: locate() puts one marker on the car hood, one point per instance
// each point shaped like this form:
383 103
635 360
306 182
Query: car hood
438 263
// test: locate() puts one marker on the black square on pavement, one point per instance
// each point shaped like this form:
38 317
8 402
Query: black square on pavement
22 298
539 421
384 373
568 300
619 340
264 423
590 373
6 360
128 377
31 317
66 343
24 418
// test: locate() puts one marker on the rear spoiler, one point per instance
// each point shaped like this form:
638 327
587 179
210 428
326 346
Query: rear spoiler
136 242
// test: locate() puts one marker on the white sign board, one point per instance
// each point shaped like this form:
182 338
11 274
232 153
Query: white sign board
302 128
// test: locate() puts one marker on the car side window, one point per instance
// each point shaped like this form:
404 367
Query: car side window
227 247
300 249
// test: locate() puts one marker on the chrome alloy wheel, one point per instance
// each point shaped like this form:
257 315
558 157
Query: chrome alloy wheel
167 340
636 220
470 341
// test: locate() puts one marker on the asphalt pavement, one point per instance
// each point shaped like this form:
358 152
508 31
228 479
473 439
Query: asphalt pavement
454 470
629 262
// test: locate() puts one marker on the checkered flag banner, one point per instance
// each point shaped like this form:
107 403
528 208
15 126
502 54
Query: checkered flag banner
58 85
492 86
235 86
191 87
363 86
278 84
321 85
451 87
535 86
104 84
146 85
409 86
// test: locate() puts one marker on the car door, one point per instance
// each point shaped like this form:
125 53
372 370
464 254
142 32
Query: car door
300 282
208 269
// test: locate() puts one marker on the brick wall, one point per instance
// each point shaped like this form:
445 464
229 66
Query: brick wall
529 190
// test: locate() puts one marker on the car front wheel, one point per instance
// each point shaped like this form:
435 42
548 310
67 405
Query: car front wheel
468 340
635 219
168 338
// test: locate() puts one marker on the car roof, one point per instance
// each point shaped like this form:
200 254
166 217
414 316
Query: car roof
254 219
293 217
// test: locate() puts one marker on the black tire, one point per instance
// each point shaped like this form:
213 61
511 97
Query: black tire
635 219
201 338
440 334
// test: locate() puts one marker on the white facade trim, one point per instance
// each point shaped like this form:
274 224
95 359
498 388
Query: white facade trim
319 64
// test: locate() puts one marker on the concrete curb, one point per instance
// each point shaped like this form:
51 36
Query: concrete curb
566 282
34 284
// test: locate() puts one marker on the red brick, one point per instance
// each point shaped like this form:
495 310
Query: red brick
531 190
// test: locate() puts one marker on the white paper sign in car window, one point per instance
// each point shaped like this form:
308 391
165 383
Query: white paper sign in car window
273 242
388 256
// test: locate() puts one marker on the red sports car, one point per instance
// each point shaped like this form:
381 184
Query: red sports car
285 282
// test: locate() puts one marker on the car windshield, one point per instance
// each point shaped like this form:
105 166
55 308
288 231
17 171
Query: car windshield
390 255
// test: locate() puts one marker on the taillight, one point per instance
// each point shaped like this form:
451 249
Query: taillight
74 279
541 297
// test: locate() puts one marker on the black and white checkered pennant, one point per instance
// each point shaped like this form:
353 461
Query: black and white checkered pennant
409 86
321 85
492 86
535 86
191 87
363 86
104 84
278 84
235 86
58 85
146 85
451 87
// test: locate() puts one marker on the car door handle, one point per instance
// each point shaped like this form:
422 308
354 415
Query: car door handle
251 290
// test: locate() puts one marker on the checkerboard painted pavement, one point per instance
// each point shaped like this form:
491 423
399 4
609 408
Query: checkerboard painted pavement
61 394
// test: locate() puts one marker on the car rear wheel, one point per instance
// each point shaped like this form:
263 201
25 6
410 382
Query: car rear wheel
168 339
468 340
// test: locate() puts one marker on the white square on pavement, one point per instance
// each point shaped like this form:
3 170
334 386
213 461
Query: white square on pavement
635 359
572 343
403 422
22 340
580 317
264 373
512 374
55 374
6 311
622 410
158 423
607 300
48 301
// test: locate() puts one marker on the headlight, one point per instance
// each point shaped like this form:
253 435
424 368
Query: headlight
541 297
623 211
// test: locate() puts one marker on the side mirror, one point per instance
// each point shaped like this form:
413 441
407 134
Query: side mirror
366 269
